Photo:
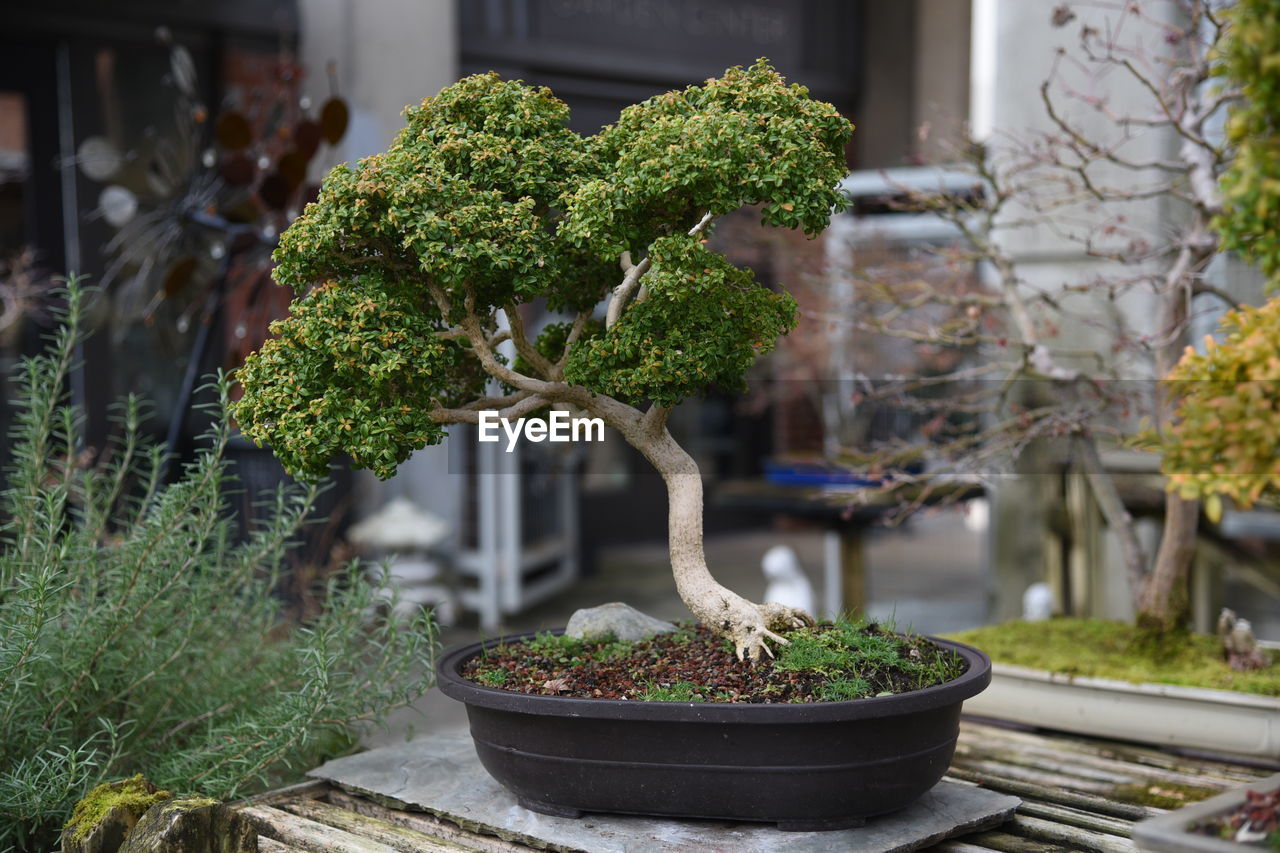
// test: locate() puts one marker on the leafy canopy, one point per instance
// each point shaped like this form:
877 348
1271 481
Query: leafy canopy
1226 441
1249 59
486 201
1227 437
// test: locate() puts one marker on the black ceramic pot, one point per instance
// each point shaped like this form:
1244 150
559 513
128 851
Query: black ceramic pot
826 765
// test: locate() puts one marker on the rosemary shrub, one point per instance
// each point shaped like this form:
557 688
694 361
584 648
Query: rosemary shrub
137 634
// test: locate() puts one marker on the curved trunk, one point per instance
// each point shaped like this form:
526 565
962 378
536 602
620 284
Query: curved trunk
700 592
748 625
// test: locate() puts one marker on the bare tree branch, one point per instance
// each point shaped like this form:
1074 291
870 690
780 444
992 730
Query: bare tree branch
1113 510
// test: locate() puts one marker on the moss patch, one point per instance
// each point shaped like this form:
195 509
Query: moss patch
1164 795
1117 650
135 794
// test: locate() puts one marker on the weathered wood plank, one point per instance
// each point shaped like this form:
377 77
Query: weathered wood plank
423 822
1230 774
1006 843
270 845
1076 817
309 788
1073 838
309 835
398 837
959 847
1050 761
987 768
1086 802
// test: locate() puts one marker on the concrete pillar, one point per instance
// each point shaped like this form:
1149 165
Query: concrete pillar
1015 45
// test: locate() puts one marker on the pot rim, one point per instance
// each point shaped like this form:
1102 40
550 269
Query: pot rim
971 682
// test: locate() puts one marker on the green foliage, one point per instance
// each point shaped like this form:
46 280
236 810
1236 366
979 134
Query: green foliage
486 201
844 689
705 321
355 370
1249 59
611 650
138 634
857 660
560 648
680 691
744 138
1226 438
493 677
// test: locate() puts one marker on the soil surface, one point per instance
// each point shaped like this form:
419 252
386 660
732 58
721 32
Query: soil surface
695 665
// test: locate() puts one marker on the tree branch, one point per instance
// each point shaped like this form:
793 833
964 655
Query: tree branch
527 351
496 402
1113 510
520 408
631 280
579 326
470 324
655 419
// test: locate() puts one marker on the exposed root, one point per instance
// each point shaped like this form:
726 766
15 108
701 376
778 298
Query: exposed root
752 626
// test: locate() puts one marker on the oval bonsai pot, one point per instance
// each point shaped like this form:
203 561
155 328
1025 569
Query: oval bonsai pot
822 765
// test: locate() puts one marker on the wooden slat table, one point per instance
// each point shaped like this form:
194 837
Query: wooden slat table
1078 794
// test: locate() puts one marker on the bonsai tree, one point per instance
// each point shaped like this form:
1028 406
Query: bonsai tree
408 263
1225 439
1123 175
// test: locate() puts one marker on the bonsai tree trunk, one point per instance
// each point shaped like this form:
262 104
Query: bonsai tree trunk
747 624
1160 608
1162 602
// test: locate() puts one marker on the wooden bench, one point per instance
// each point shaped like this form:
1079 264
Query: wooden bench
1077 794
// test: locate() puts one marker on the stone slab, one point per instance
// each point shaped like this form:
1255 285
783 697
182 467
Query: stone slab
441 774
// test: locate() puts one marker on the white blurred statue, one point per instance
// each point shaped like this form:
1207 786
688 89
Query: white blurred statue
977 515
1037 602
787 582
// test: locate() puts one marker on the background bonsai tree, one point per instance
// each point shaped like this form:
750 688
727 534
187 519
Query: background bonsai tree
1066 352
1226 438
413 265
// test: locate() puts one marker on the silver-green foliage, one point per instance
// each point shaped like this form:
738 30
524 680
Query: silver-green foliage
137 634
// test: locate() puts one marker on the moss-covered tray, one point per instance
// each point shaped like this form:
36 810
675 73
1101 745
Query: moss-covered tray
1098 678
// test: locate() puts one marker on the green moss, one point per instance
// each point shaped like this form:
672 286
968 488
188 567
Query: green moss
858 660
554 645
680 691
1163 795
493 677
610 651
135 794
1119 651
